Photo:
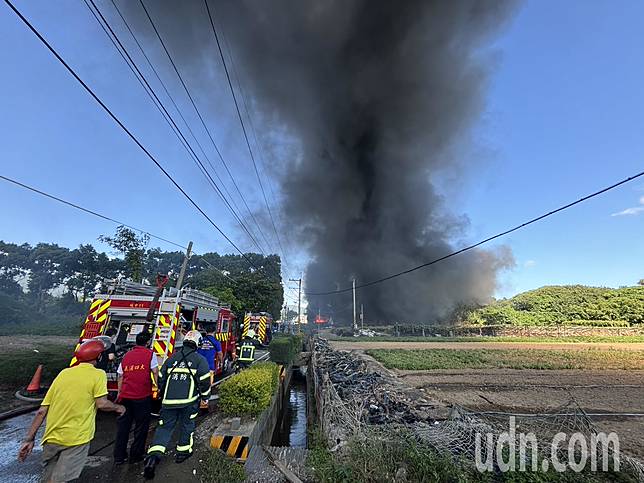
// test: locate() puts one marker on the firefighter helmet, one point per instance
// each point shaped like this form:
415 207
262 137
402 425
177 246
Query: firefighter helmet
193 336
89 351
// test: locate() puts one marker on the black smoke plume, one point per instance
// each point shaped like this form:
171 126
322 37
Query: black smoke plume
373 98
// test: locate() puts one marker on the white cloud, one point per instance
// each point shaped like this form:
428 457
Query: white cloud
633 211
529 263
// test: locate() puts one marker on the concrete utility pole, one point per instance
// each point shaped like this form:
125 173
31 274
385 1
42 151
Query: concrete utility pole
299 301
184 265
355 322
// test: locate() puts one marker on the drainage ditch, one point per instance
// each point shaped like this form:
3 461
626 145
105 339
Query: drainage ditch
290 429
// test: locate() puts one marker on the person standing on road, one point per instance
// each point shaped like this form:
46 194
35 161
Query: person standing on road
137 373
211 350
70 410
184 379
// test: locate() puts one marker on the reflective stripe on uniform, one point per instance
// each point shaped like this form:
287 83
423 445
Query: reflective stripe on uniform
156 448
187 447
170 402
192 416
205 376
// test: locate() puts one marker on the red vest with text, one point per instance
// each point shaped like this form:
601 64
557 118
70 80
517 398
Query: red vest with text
137 381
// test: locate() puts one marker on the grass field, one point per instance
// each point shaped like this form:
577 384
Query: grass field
17 366
564 340
428 359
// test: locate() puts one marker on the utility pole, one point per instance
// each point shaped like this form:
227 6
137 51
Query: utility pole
355 322
362 316
184 265
299 301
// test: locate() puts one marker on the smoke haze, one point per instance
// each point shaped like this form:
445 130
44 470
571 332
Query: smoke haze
371 99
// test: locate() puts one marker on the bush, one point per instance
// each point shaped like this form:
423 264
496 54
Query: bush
249 392
284 349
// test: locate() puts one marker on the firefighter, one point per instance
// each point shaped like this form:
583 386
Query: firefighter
184 380
70 408
246 353
137 373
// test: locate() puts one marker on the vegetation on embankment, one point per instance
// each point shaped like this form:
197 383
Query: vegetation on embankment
398 456
615 339
428 359
284 348
249 392
568 305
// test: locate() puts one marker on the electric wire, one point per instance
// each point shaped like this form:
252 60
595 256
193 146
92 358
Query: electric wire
241 121
486 240
179 111
125 129
110 219
194 105
164 112
287 245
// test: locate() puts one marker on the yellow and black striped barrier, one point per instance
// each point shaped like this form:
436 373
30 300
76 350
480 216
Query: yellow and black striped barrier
233 446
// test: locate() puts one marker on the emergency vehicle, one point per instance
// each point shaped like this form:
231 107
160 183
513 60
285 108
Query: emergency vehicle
261 323
130 308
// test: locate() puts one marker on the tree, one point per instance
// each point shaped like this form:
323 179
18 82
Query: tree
132 247
48 268
87 274
227 296
641 282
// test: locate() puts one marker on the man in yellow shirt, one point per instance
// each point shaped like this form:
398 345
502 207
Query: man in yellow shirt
70 408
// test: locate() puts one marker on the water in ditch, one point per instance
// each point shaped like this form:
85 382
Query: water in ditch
291 428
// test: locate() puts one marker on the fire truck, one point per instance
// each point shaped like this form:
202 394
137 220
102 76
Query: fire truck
130 308
261 323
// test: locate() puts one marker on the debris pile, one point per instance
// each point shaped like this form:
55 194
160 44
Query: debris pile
377 399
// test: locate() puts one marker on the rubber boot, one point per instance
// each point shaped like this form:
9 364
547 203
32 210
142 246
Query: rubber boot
149 469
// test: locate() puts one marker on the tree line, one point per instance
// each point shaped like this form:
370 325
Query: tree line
47 284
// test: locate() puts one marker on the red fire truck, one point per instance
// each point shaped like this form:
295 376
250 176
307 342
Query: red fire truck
126 307
261 324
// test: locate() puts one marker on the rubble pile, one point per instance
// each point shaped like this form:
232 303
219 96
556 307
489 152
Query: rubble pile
379 401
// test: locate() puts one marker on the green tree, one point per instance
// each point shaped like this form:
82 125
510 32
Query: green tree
132 247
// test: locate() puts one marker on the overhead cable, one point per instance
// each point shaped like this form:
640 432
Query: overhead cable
486 240
165 114
125 129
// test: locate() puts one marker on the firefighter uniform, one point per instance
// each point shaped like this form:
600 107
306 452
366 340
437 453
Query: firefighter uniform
184 379
246 353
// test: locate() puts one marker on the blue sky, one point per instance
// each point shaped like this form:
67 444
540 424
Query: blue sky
564 116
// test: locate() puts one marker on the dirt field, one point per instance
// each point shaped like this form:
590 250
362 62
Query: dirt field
597 392
360 345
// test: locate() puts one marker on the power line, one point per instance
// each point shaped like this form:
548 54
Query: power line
287 244
125 129
118 45
241 121
194 105
494 237
91 212
185 122
113 220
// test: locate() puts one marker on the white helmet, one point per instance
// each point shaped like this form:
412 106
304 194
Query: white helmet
193 336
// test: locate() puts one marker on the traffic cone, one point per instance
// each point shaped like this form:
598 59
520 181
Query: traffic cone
34 385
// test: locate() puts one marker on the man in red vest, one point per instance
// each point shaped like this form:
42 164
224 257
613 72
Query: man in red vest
136 372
